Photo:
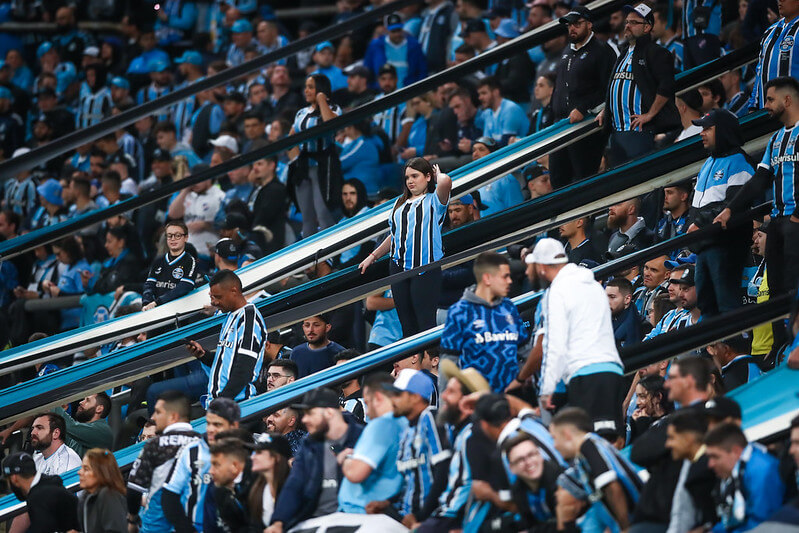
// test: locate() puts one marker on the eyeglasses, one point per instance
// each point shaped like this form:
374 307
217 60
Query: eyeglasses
174 236
525 458
271 375
635 22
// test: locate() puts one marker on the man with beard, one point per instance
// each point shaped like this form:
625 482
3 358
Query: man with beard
311 489
449 514
631 232
582 76
52 456
370 470
673 317
286 422
318 353
89 427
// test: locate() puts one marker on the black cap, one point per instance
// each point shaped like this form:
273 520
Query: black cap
533 171
394 22
322 397
226 408
159 154
687 277
19 463
388 68
722 407
272 441
358 70
236 97
489 142
577 13
227 249
235 220
642 10
741 343
712 118
122 157
474 26
492 408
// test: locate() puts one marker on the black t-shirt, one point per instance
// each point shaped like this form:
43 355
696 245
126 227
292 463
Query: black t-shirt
51 507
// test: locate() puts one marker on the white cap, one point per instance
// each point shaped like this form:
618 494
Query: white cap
228 142
548 252
21 151
91 51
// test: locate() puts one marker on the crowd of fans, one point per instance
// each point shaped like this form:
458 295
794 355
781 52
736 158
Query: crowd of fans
511 422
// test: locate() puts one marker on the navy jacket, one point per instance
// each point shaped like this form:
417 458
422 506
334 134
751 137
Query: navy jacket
627 327
300 495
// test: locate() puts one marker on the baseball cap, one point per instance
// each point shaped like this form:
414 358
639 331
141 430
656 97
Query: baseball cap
157 65
20 151
159 154
227 249
92 51
388 68
741 343
492 408
473 199
414 381
713 118
358 70
192 57
533 171
226 408
394 22
489 142
322 397
642 10
722 407
43 49
548 251
671 264
273 442
687 277
51 190
234 220
6 93
474 26
325 44
119 81
19 463
579 12
226 141
469 377
507 29
240 26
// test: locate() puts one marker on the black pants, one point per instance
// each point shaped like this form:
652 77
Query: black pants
415 299
601 395
577 161
782 258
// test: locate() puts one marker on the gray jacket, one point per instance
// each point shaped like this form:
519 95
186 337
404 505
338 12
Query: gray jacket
105 511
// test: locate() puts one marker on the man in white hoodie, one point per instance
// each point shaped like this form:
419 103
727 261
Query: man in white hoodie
578 340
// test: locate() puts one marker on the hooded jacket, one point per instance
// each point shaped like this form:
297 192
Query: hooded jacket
51 507
577 327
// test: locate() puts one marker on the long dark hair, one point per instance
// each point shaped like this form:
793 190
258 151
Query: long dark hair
255 499
422 165
71 247
360 188
322 84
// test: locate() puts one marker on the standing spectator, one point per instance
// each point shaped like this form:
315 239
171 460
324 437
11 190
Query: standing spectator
604 471
625 317
315 171
318 352
776 53
101 503
186 487
484 329
392 120
190 68
653 279
502 118
543 117
282 99
236 363
268 202
270 463
50 506
439 23
750 488
197 206
640 97
736 96
160 84
52 456
424 452
147 477
631 232
357 92
352 399
579 346
777 168
733 359
701 26
287 422
311 489
370 470
172 275
205 124
89 427
398 49
415 240
515 73
386 328
582 76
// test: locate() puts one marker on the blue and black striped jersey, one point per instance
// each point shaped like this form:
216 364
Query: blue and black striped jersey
625 97
416 231
776 57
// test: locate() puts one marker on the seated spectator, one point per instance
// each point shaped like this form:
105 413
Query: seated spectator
422 114
371 477
500 194
101 502
287 422
673 318
171 276
360 156
713 95
241 35
354 202
280 372
652 404
736 366
205 124
654 277
254 129
538 182
52 456
88 427
787 515
631 232
319 351
69 254
675 204
749 487
166 137
311 489
502 118
689 104
270 464
20 192
120 269
231 471
50 506
386 328
358 91
323 58
160 84
233 106
579 245
94 102
351 397
235 227
534 490
51 206
626 320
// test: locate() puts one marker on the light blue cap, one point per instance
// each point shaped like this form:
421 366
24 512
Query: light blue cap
51 190
416 382
43 49
325 44
192 57
119 81
507 29
240 26
157 65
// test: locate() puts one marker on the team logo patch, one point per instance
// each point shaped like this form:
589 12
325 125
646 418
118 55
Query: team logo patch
786 44
158 270
101 314
719 175
177 273
479 324
509 318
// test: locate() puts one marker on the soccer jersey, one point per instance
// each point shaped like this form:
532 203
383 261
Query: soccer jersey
416 231
60 461
151 92
307 118
422 446
390 120
507 121
486 336
92 106
452 502
776 57
781 158
21 196
243 335
675 46
169 278
625 98
190 478
502 194
689 9
377 447
669 322
739 371
151 469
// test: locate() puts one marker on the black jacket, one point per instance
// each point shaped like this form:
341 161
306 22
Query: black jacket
515 74
653 72
105 511
582 77
51 507
124 272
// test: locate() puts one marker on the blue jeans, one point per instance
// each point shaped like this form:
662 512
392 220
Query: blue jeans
627 145
193 383
718 278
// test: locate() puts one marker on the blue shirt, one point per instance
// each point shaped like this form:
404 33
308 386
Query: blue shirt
507 121
152 92
21 196
386 328
776 57
360 159
781 158
459 483
625 98
677 49
416 231
310 361
337 78
390 120
500 195
486 337
190 478
70 283
377 446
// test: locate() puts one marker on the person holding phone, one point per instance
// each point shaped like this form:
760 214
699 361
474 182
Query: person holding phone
414 241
